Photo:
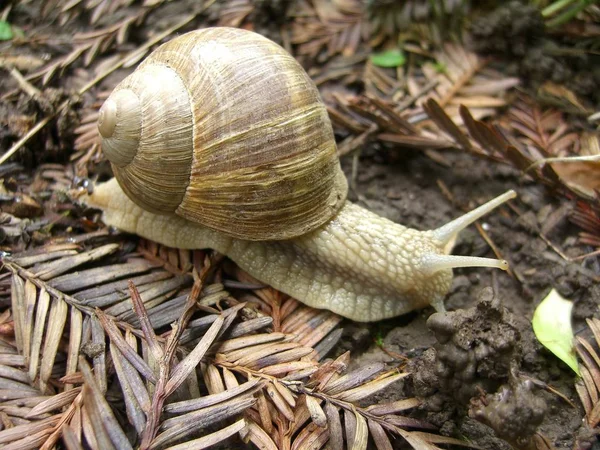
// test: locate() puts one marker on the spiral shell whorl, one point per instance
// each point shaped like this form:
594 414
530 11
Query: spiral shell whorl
120 124
152 111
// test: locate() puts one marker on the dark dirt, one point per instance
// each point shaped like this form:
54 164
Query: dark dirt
484 366
516 31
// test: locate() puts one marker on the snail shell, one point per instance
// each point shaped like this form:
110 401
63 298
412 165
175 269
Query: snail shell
185 135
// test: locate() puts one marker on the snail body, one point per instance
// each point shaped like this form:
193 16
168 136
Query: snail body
278 211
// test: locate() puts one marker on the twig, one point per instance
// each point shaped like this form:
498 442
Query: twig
38 126
348 406
55 293
563 159
405 103
25 85
587 255
164 355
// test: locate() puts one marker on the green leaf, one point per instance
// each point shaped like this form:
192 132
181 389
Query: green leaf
6 32
440 67
389 58
552 327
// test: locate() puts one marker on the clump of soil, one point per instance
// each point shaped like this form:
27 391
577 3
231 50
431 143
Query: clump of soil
474 352
514 412
516 32
510 29
477 352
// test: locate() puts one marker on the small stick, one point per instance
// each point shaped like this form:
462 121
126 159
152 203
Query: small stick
25 85
38 126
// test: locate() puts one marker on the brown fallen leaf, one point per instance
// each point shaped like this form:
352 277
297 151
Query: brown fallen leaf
581 176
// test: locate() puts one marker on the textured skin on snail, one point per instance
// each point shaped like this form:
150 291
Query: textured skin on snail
220 140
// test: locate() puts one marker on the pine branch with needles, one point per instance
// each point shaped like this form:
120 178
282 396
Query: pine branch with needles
250 364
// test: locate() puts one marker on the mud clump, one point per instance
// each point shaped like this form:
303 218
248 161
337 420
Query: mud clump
514 413
474 352
477 352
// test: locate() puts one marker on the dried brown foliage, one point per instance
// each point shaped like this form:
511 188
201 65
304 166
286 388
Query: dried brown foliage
587 217
389 18
542 146
335 26
89 46
234 13
88 150
538 142
68 10
587 386
113 346
394 107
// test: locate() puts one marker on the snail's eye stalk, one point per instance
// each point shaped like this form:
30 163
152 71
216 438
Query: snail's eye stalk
447 232
432 262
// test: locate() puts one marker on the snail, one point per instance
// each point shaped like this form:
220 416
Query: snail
220 140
